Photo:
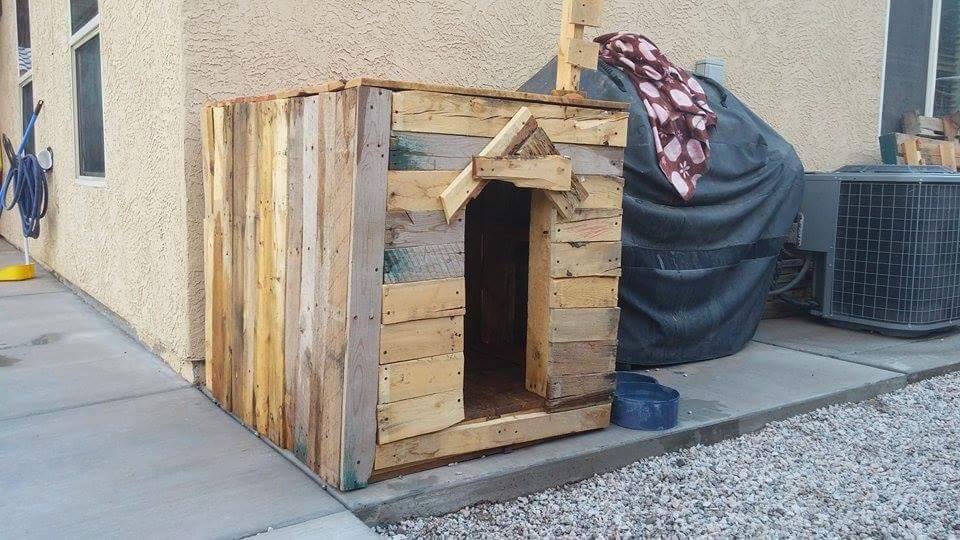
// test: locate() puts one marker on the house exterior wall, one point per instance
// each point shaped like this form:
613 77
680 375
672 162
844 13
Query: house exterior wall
812 69
123 244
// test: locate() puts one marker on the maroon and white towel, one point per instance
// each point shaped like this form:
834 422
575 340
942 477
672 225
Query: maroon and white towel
675 102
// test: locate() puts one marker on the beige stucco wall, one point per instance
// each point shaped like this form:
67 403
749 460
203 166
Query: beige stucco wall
124 244
811 68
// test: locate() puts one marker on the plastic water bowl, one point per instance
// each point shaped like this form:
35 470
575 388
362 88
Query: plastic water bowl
642 404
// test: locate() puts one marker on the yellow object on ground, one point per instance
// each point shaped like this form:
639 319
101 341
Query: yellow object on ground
17 272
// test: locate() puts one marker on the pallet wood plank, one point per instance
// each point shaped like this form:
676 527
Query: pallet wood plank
602 229
438 152
504 431
430 112
507 139
365 290
542 172
422 263
586 12
576 259
421 377
603 192
584 292
589 384
423 300
304 418
537 356
295 178
276 340
581 53
420 338
339 143
240 396
417 191
244 406
265 335
583 324
406 229
582 357
416 416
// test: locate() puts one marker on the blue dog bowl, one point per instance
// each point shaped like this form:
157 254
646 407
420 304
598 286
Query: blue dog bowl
641 404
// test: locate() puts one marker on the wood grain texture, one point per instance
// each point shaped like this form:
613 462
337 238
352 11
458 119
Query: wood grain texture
584 259
419 415
550 172
248 183
266 340
421 377
602 229
584 292
431 112
603 192
417 191
422 263
276 339
365 291
583 324
293 262
582 357
420 338
438 152
589 384
537 356
406 229
423 300
504 431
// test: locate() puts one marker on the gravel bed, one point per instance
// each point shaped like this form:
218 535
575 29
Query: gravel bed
889 467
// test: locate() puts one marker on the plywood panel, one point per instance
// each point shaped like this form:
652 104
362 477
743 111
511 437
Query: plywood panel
423 300
476 436
416 416
431 112
419 339
421 377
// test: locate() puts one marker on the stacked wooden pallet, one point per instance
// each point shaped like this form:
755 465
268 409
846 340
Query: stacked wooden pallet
335 275
924 141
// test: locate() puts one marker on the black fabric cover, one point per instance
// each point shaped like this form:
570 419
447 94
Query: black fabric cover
695 274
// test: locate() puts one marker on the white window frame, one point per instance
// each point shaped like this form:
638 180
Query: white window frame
933 56
87 32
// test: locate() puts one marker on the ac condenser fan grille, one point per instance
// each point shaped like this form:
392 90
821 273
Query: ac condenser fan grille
898 252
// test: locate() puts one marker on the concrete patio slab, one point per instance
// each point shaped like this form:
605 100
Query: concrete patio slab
70 368
720 399
38 318
933 356
814 336
169 465
342 526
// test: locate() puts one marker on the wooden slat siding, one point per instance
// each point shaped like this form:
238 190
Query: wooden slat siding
422 263
566 202
475 436
583 324
582 357
239 259
339 143
431 112
243 398
406 229
416 416
210 254
222 207
584 292
421 377
604 192
423 300
294 243
416 191
439 152
365 290
263 330
576 259
604 229
542 215
421 338
305 388
589 384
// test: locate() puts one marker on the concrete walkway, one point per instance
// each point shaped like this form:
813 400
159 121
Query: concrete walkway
100 439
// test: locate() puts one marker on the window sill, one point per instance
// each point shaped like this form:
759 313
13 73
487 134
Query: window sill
91 181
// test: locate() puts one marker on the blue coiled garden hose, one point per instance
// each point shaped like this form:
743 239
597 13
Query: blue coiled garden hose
25 185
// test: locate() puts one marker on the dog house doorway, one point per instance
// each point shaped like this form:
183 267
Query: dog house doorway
497 252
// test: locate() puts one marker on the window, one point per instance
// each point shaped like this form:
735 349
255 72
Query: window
946 86
24 71
88 91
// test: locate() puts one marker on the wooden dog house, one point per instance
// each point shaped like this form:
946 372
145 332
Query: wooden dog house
400 275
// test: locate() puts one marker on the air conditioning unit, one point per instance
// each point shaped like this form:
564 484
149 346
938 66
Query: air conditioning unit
885 242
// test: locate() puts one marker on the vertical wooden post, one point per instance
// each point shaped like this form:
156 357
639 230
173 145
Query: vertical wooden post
365 291
573 52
